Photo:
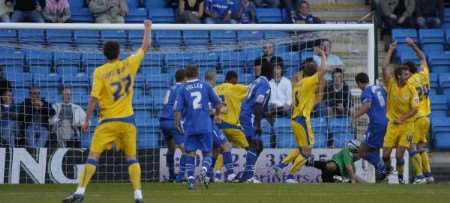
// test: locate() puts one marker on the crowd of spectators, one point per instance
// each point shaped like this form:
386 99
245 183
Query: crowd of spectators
37 123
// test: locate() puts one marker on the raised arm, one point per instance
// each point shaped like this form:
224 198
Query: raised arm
419 52
387 60
146 40
323 62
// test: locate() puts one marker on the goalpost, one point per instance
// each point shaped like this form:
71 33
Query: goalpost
52 56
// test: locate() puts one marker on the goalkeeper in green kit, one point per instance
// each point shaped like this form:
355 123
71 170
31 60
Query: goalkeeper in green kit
341 167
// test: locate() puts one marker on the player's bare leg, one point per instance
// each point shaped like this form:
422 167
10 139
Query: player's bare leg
134 171
89 170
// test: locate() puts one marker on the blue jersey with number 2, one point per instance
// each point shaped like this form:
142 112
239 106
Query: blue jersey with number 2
193 102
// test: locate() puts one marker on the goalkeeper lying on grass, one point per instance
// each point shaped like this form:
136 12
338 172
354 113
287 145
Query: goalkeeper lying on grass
341 167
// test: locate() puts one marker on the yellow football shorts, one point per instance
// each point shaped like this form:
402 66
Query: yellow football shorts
122 134
421 130
302 132
398 135
234 134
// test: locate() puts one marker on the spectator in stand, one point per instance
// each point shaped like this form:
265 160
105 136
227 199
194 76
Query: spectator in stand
302 15
337 95
247 12
108 11
68 119
6 9
8 123
267 3
219 11
429 13
35 113
56 11
28 10
333 61
190 11
281 91
267 57
397 13
4 84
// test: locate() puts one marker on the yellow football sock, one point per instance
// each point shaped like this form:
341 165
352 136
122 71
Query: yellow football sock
88 172
425 162
134 171
291 156
219 163
416 162
299 162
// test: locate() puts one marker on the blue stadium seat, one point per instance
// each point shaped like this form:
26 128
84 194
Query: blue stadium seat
148 138
63 59
120 36
440 127
249 36
447 34
154 4
161 81
153 59
428 48
20 79
341 139
8 35
177 60
136 15
276 34
439 105
205 60
81 15
403 49
75 81
268 15
12 58
441 59
133 4
194 38
400 34
90 61
444 83
77 4
154 70
39 58
304 55
434 83
321 140
431 36
20 94
135 37
51 94
290 59
339 125
46 80
59 36
223 37
86 37
408 56
168 37
161 15
32 36
319 125
231 59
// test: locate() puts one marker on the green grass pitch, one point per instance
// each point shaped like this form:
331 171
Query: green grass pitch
234 193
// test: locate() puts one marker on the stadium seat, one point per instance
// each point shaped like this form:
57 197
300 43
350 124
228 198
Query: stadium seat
431 36
231 59
161 81
46 80
51 94
441 60
86 37
32 36
447 34
205 60
428 48
268 15
133 4
75 81
8 35
339 125
439 105
154 59
19 79
39 58
59 36
290 59
90 61
408 56
136 15
444 83
400 34
177 60
76 4
440 127
12 58
319 125
304 55
276 35
120 36
195 38
154 4
434 83
168 37
341 139
20 93
161 15
403 49
223 37
153 70
243 36
63 59
81 15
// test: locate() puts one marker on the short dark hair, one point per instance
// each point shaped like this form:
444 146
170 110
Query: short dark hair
180 75
309 69
303 2
412 66
277 61
191 70
337 70
231 75
267 70
61 90
111 50
362 78
399 70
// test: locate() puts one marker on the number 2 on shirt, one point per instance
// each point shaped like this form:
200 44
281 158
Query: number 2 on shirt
126 81
197 98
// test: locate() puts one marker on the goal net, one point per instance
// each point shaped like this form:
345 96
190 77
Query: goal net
46 68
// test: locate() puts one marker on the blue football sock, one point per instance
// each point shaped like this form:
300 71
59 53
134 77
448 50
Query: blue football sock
190 165
170 165
210 172
228 162
207 162
251 158
182 170
375 159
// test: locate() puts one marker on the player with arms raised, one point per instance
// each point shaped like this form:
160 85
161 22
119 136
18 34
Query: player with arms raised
417 152
304 95
193 106
373 103
402 105
112 90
